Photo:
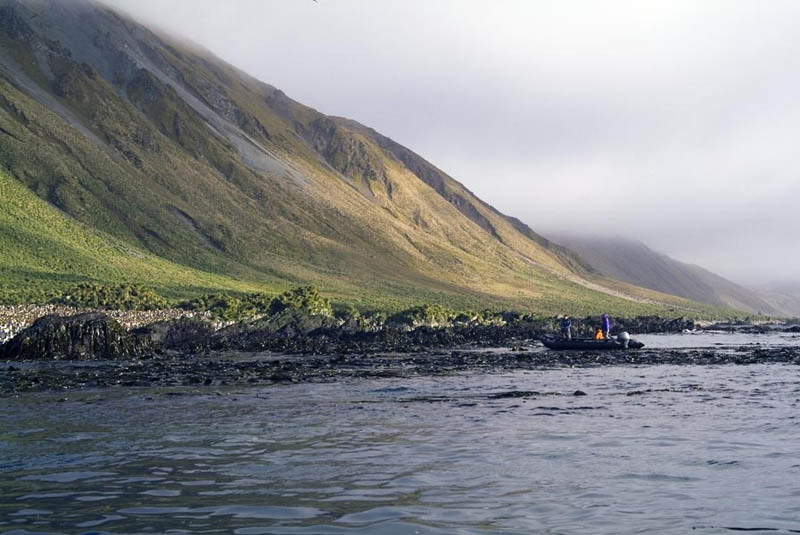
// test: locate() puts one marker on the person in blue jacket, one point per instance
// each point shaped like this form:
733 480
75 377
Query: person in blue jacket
566 328
606 325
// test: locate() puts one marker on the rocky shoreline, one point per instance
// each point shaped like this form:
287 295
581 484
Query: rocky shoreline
99 336
16 318
93 350
219 370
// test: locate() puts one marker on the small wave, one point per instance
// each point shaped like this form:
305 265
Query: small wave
742 528
657 477
66 477
514 394
392 389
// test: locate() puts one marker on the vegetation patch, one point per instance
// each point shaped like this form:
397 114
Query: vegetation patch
304 300
111 297
230 308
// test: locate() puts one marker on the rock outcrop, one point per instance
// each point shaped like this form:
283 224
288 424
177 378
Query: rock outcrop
183 334
88 336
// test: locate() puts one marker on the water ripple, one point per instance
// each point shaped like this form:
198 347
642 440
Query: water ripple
662 449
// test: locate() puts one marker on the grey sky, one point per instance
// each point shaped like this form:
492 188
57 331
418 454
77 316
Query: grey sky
673 122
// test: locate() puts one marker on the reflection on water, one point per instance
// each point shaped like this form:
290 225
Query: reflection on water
663 449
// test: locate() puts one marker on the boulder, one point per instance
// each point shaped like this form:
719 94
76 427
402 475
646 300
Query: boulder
288 329
182 334
87 336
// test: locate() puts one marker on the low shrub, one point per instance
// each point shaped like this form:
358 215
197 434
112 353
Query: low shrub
111 297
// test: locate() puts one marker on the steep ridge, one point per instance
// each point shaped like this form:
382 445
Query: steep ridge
634 262
500 226
162 145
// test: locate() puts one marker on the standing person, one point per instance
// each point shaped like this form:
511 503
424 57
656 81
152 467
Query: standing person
566 327
606 325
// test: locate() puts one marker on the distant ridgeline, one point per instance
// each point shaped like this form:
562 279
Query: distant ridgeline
130 157
635 263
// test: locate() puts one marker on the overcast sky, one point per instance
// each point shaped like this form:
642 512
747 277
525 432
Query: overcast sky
676 122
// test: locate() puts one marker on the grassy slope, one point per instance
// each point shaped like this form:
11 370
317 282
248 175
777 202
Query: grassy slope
45 250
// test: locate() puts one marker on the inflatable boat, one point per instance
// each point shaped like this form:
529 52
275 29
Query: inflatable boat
554 342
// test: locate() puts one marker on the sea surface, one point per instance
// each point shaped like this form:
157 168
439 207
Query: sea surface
647 449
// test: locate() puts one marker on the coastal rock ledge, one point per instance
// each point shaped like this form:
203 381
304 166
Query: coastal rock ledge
88 336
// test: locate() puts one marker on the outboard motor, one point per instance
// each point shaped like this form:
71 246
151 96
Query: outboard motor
624 338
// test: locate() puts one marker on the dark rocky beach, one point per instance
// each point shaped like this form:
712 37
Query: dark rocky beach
92 350
212 370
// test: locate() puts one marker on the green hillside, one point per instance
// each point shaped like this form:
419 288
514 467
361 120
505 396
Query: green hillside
45 251
194 175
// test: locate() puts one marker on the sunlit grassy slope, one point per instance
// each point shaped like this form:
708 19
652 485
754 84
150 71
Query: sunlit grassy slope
188 175
44 251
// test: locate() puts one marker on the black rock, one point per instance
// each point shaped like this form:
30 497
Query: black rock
579 393
88 336
183 334
287 330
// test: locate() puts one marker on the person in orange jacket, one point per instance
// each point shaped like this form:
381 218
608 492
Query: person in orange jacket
598 334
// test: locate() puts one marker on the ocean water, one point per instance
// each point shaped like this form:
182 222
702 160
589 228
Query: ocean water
719 340
647 449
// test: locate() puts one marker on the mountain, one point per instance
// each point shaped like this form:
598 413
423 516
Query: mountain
634 262
782 296
168 151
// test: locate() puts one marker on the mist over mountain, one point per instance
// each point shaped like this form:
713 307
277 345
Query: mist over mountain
163 146
634 262
782 296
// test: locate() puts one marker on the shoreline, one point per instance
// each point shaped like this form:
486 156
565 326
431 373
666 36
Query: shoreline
16 318
68 334
212 370
93 350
